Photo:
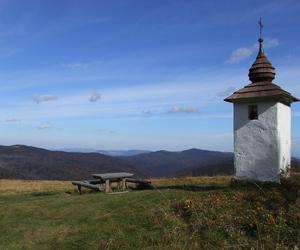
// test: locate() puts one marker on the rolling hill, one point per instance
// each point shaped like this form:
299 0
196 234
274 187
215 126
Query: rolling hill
23 162
122 152
187 162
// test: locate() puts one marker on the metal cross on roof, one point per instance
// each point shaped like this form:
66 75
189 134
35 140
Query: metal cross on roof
260 27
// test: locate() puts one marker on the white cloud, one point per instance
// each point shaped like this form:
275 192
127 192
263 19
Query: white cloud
130 101
12 120
95 97
44 98
242 53
188 110
147 112
76 66
44 126
271 43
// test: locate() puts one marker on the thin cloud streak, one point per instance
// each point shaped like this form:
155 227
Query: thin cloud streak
95 97
12 120
186 110
76 66
44 126
131 101
44 98
241 54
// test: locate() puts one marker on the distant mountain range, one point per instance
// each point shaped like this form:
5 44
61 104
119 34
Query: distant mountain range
76 150
122 152
106 152
24 162
165 163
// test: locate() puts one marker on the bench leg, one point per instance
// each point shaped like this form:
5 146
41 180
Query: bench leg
79 189
101 188
119 185
123 184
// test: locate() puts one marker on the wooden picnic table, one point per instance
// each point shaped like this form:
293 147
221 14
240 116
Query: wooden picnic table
103 181
108 178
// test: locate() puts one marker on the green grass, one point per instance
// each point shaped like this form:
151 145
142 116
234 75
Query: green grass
207 214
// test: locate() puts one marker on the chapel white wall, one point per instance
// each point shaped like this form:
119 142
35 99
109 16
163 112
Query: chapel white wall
284 136
257 143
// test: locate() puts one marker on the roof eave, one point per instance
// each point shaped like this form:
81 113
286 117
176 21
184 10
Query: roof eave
227 100
286 99
295 99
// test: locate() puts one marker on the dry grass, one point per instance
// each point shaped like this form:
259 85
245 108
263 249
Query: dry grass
8 187
203 180
180 213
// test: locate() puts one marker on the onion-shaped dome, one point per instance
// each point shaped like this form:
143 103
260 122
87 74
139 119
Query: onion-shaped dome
261 70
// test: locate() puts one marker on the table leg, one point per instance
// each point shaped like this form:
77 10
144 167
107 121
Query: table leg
107 186
119 185
123 183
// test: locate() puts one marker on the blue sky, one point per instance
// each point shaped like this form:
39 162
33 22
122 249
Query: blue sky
136 74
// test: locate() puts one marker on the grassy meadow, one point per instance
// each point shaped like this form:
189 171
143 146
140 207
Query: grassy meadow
178 213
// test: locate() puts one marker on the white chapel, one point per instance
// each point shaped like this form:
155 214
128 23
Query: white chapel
262 125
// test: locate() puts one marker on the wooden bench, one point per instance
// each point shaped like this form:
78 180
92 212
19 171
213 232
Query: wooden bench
92 181
92 185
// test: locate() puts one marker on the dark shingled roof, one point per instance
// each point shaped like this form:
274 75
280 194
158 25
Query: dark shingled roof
261 75
261 91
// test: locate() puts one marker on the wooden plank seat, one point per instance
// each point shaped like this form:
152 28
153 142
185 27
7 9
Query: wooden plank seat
93 181
86 184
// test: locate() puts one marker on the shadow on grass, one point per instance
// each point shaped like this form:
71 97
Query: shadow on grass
44 193
193 188
185 187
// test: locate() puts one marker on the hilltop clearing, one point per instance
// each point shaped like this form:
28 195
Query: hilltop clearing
179 213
